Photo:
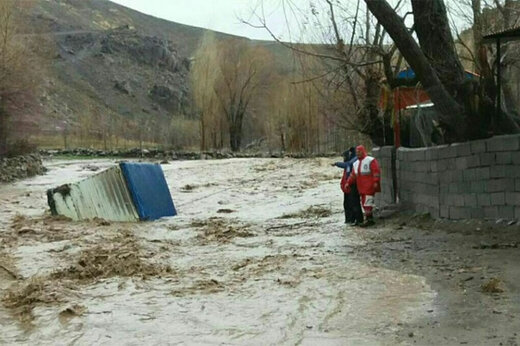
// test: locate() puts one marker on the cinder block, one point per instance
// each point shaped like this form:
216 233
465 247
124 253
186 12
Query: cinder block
512 171
484 200
506 212
417 155
513 198
400 154
447 152
453 188
462 149
487 159
496 185
498 198
482 173
428 154
457 213
433 178
469 174
457 200
434 212
456 176
470 200
473 161
503 143
477 213
515 158
421 166
503 158
445 212
478 186
442 165
491 212
478 146
517 213
461 163
498 171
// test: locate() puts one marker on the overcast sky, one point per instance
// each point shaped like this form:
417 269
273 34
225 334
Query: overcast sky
225 16
219 15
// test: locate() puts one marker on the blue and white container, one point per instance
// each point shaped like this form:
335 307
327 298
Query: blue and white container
127 192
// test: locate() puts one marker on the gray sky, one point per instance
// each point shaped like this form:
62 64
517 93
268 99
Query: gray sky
219 15
225 15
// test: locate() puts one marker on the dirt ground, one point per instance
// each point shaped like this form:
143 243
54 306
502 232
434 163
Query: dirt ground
258 255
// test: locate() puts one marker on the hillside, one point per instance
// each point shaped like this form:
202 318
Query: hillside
115 68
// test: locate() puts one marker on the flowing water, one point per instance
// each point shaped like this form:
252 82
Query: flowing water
247 262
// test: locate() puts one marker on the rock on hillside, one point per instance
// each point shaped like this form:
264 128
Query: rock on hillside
119 72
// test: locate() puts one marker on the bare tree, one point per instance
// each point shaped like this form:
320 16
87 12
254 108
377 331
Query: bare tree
242 73
203 76
440 72
355 58
17 69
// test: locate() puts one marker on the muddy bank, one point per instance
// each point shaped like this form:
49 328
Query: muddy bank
473 267
176 155
20 167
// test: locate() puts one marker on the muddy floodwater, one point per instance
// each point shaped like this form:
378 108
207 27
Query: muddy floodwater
258 255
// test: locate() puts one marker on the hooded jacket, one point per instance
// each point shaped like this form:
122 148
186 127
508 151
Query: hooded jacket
347 165
365 174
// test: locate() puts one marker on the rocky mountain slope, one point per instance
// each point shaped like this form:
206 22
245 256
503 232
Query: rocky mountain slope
111 64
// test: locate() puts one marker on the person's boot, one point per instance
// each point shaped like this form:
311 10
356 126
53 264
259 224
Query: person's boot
369 221
355 223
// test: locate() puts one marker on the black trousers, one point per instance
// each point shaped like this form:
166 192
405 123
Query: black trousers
352 206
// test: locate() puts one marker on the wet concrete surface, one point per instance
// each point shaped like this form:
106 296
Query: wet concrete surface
247 262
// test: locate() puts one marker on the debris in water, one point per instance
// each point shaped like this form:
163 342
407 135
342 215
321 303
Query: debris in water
311 212
494 285
127 192
225 211
187 188
21 298
70 312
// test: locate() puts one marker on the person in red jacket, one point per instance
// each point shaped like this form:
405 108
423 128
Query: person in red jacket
367 177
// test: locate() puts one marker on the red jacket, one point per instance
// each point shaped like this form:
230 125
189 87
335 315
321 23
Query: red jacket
366 174
343 182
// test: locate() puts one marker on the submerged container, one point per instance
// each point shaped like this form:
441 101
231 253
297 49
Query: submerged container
127 192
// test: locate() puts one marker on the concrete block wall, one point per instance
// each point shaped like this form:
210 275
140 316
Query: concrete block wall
386 159
478 179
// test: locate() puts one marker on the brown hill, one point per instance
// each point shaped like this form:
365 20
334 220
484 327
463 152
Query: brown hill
114 70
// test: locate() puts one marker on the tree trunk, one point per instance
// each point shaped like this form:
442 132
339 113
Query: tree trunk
3 131
433 31
451 113
235 137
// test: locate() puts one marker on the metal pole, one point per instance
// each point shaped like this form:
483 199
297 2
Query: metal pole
499 81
